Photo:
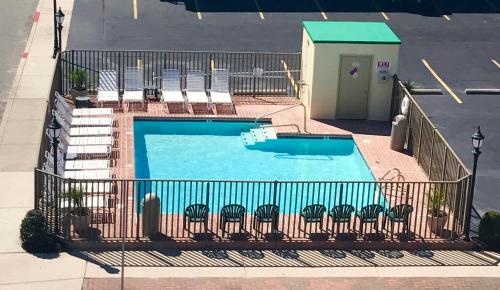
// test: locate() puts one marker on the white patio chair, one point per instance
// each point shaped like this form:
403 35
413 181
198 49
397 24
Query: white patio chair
84 112
95 121
219 93
107 91
88 174
195 88
78 164
171 91
90 140
82 131
134 86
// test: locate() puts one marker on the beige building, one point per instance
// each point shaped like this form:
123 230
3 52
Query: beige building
347 69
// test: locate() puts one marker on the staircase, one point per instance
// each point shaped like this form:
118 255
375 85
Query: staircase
256 135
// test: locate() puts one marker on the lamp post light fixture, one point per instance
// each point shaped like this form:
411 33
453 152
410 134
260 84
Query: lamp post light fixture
59 19
477 143
54 131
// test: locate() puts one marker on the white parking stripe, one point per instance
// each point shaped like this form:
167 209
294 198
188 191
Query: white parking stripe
495 62
198 13
261 15
323 14
134 8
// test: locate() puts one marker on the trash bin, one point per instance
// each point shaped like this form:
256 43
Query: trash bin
398 132
150 215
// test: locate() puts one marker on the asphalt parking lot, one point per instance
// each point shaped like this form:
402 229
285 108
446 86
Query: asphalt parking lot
455 41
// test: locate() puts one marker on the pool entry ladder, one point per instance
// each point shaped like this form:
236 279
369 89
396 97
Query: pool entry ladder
259 134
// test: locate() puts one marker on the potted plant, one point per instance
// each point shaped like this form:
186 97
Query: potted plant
80 216
436 217
78 89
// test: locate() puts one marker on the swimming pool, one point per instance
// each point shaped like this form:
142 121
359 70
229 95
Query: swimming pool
214 150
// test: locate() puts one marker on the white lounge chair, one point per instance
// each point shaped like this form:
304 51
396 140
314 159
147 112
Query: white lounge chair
79 164
107 91
88 174
195 88
101 187
84 112
90 140
88 150
80 174
83 131
134 86
96 121
171 91
219 93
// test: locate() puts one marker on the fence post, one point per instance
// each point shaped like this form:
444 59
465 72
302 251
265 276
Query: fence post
275 189
432 153
420 137
37 189
207 199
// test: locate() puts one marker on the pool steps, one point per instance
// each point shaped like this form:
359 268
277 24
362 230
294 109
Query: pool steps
256 135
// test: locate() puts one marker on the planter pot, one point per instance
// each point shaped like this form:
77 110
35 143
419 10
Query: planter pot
77 93
437 223
80 222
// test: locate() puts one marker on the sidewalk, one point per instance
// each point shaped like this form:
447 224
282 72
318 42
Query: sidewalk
20 135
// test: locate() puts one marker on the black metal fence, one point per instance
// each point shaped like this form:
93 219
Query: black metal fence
249 73
56 86
115 208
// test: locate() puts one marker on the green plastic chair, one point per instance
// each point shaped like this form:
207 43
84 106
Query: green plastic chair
398 214
268 213
196 213
232 213
369 215
312 214
341 214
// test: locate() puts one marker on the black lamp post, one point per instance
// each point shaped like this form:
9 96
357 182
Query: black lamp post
59 19
56 45
54 131
477 143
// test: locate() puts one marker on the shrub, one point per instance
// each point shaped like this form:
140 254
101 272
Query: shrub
489 229
78 78
436 201
34 233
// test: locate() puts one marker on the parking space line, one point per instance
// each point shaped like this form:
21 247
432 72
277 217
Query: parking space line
323 14
495 62
261 15
380 10
134 7
446 17
198 13
427 65
289 75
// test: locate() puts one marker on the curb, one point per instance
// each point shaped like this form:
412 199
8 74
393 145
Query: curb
482 91
426 91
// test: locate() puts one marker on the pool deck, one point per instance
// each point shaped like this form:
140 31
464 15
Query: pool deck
371 137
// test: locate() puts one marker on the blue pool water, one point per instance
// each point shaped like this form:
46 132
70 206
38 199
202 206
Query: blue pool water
201 150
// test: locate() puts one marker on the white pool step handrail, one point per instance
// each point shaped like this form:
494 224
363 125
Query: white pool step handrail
284 109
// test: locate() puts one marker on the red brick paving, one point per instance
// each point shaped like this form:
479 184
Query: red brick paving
293 283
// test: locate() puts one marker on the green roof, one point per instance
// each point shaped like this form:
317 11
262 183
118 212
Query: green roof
350 32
